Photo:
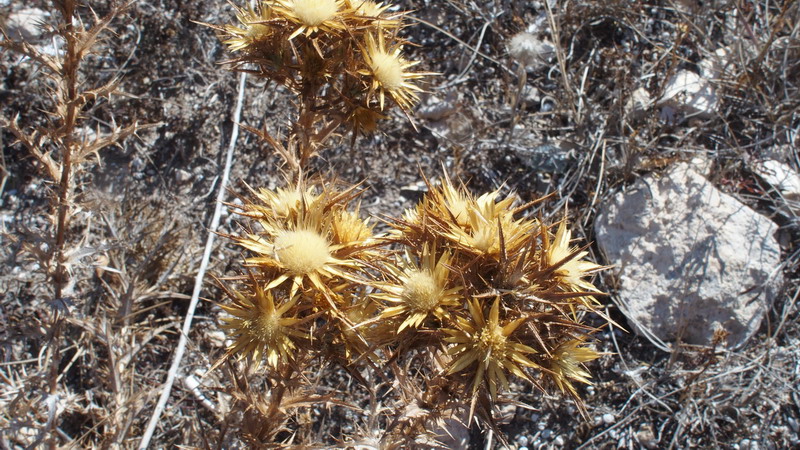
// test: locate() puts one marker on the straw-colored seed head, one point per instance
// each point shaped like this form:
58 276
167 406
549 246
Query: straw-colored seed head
421 291
302 251
368 8
313 13
484 341
388 69
259 327
286 201
266 328
389 72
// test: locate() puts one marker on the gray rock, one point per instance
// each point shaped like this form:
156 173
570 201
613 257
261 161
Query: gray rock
690 259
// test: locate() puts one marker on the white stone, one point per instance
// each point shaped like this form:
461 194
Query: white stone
721 63
781 177
689 258
689 94
182 176
717 64
25 24
638 103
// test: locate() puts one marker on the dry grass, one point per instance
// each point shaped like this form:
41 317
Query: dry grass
137 217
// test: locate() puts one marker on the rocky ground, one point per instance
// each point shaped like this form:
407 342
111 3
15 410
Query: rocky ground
668 129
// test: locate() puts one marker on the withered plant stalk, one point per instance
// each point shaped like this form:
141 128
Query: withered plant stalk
63 154
70 81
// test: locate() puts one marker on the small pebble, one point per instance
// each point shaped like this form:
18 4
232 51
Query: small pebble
546 434
793 424
523 448
522 440
609 419
559 441
182 176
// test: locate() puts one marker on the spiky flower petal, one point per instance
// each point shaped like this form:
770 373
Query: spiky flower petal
566 365
487 343
572 269
312 15
259 328
419 290
389 72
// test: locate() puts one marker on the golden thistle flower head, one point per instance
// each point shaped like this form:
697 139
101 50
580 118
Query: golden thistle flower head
389 72
488 343
367 8
373 13
349 229
260 328
283 203
297 253
252 30
566 364
485 226
419 290
312 15
571 269
304 237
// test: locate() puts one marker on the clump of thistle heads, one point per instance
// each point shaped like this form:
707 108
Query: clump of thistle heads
349 47
469 285
470 279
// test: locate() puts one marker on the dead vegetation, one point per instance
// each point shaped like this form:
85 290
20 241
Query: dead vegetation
90 319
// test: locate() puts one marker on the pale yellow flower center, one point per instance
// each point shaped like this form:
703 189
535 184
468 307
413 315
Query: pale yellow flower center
421 292
302 251
267 328
387 70
491 339
314 12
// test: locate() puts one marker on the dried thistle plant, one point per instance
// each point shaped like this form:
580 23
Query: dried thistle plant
310 249
520 291
58 147
64 152
484 292
466 287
